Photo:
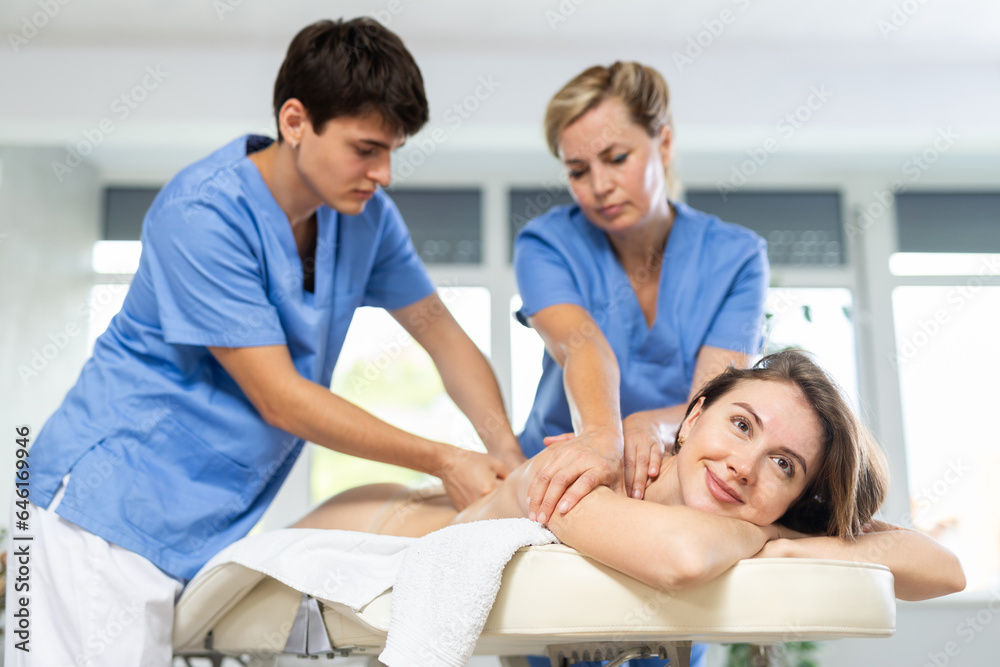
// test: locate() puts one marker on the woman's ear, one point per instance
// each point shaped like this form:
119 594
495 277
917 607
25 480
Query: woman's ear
692 418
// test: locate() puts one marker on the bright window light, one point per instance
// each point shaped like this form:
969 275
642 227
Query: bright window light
944 264
819 321
384 371
816 319
106 300
116 256
526 352
946 356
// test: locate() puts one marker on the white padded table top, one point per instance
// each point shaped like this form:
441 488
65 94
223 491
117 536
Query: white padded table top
554 595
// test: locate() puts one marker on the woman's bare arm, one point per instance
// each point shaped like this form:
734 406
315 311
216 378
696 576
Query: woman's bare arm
922 568
668 547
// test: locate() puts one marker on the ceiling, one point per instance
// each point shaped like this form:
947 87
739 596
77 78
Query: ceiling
897 71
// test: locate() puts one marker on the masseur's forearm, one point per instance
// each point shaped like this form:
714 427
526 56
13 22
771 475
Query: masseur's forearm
313 413
686 547
465 372
921 567
470 382
294 404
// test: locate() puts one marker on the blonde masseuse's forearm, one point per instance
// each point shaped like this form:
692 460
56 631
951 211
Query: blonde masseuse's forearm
591 376
572 468
685 548
591 380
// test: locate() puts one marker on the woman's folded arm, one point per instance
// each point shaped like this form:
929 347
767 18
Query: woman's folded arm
668 547
922 568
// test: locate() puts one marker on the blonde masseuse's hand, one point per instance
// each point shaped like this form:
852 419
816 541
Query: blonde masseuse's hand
570 468
468 476
646 442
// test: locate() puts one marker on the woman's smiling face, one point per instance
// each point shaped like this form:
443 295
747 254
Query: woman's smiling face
751 453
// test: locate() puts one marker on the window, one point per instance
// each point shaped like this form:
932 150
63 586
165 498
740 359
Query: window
801 228
446 225
820 321
526 352
526 204
383 370
946 314
124 211
816 319
946 358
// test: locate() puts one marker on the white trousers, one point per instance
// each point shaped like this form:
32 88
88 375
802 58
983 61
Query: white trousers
91 603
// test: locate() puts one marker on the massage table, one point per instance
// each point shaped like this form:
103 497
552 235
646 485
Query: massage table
553 601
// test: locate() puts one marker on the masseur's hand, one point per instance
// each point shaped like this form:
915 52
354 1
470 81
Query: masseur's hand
511 457
646 442
468 476
571 467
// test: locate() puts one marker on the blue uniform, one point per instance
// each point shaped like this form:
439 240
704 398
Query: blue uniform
713 283
712 288
168 457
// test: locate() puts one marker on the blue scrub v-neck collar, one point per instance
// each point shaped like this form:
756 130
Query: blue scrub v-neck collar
326 231
671 274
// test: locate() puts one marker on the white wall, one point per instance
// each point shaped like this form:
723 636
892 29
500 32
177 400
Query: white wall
47 231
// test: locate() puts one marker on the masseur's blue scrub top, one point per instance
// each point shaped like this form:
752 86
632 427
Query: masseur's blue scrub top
167 456
713 283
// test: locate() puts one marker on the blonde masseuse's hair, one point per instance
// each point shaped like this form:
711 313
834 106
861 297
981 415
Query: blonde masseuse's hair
640 88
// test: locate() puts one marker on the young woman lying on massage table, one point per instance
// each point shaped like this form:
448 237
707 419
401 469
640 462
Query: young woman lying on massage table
769 461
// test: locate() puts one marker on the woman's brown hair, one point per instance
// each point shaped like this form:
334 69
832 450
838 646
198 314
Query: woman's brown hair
852 480
640 88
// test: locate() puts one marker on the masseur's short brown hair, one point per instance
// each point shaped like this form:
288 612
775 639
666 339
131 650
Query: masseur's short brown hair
348 68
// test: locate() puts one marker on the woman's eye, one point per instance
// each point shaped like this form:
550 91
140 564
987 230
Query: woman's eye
618 159
742 424
576 173
785 465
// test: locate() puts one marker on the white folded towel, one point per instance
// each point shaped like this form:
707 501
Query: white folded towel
446 586
336 565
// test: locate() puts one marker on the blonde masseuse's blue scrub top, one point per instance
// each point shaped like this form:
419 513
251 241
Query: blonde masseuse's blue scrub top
168 456
712 288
